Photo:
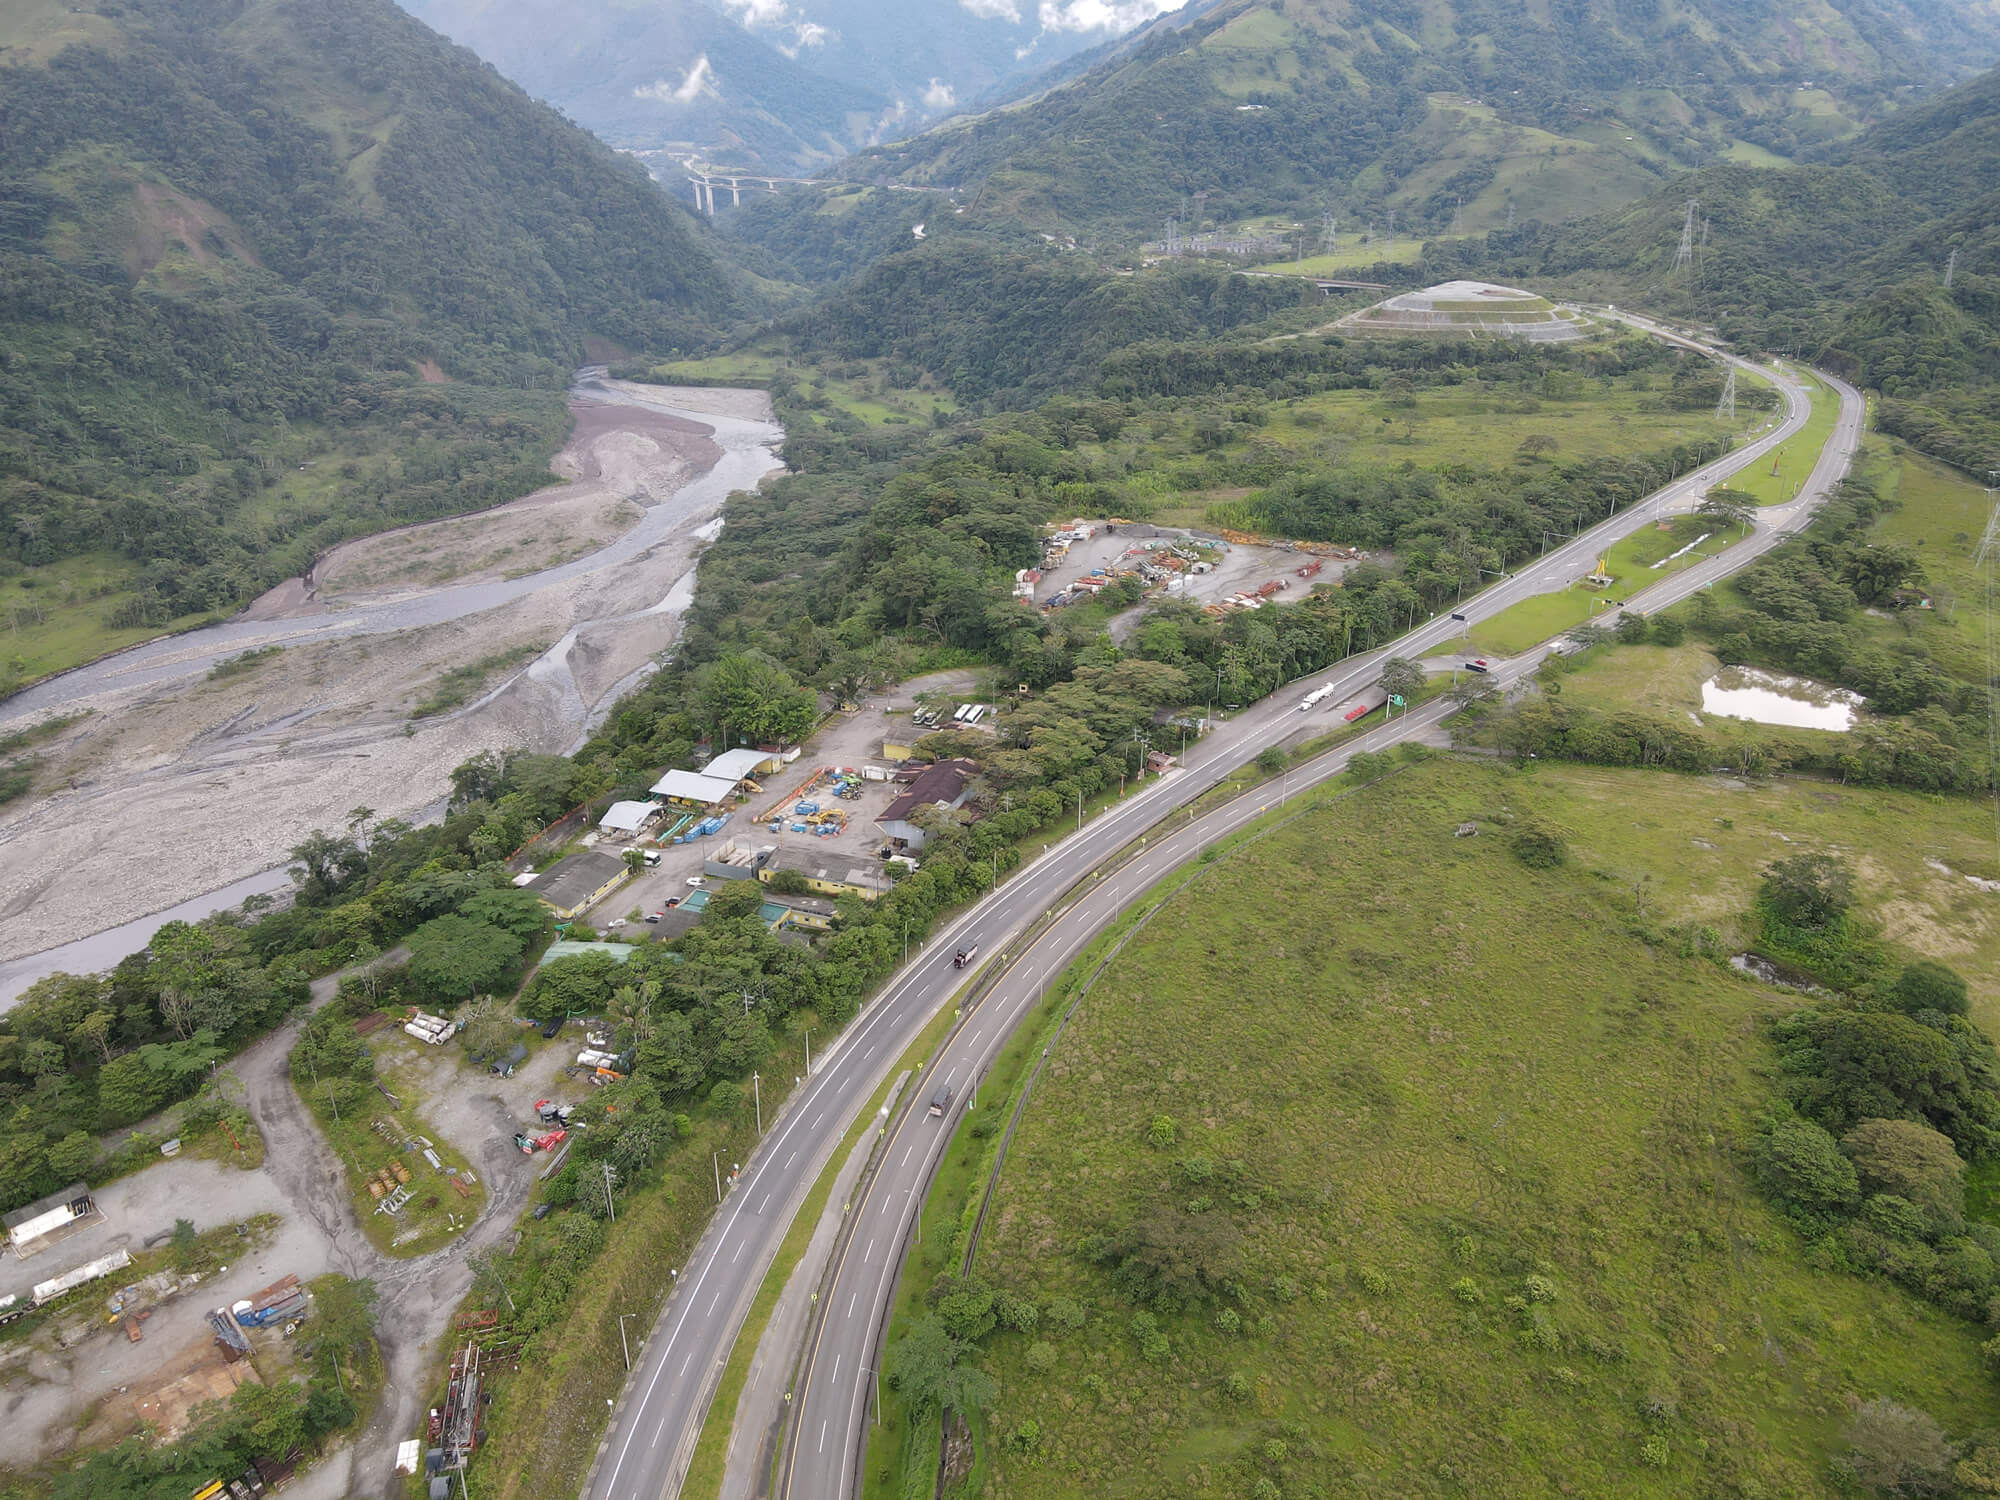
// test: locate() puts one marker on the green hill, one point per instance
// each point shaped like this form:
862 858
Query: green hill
240 237
1468 109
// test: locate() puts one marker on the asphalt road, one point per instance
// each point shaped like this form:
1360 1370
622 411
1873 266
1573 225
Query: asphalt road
653 1429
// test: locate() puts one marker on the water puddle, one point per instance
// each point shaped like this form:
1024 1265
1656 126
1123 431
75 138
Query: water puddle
1767 698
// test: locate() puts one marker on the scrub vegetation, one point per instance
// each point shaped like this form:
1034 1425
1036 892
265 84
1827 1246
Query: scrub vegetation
1393 1161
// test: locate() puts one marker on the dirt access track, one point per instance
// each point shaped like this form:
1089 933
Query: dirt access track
301 1181
590 574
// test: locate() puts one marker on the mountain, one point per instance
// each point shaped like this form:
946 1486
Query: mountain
1474 110
239 235
786 85
1845 260
668 76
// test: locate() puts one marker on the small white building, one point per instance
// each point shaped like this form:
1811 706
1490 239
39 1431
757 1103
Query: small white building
628 817
35 1226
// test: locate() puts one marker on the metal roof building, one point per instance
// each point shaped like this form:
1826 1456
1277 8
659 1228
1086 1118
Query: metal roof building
572 884
695 788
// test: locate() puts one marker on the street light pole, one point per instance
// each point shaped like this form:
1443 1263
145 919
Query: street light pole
809 1052
716 1160
757 1093
621 1340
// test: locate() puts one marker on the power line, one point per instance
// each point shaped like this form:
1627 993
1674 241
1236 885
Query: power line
1726 407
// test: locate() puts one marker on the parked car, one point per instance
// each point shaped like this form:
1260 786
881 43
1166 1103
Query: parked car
697 880
672 902
654 916
543 1210
552 1028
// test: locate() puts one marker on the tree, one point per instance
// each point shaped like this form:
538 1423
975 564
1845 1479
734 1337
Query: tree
456 957
1401 677
578 985
489 1275
1800 1166
1912 1162
327 864
1727 507
72 1157
488 1035
1899 1450
932 1371
520 912
1809 890
1926 985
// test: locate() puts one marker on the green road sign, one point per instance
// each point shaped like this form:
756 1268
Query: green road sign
1393 698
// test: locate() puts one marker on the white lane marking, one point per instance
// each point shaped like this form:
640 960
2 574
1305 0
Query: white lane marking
684 1369
765 1204
656 1433
865 1254
836 1372
850 1303
817 1118
739 1251
788 1160
868 1054
822 1437
906 1154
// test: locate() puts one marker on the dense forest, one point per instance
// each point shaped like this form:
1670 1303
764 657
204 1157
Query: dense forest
1281 110
238 236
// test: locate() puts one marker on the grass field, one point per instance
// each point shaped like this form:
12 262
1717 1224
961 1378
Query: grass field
1351 255
1403 1075
1795 457
1534 620
859 388
365 1141
1939 515
1454 425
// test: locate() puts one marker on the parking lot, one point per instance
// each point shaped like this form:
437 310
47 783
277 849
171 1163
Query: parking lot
1238 567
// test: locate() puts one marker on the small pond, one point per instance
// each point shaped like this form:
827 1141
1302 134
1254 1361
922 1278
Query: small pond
1795 702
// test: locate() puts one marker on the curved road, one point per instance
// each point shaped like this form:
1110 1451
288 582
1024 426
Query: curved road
653 1429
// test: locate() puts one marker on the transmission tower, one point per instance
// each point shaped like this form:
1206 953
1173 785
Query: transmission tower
1684 256
1326 235
1173 236
1392 223
1726 407
1510 216
1457 216
1950 269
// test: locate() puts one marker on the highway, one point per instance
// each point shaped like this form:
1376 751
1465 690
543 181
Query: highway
654 1426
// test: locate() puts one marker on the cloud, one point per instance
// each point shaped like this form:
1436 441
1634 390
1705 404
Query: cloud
757 12
700 80
1099 15
812 34
994 10
939 95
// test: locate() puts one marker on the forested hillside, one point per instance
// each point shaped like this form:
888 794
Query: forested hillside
240 237
1845 262
1466 110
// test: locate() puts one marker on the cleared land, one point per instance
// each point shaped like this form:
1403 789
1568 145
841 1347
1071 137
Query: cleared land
861 389
1402 1075
1533 621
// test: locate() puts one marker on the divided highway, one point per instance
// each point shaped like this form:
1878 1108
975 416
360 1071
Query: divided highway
652 1434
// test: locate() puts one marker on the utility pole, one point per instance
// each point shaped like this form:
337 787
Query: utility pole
610 1206
716 1162
809 1052
621 1340
757 1093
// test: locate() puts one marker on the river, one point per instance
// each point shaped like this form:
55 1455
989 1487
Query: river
748 455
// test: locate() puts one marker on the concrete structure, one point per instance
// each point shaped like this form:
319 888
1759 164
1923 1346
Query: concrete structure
1470 309
695 790
628 817
813 913
572 884
828 879
36 1226
895 749
738 859
676 922
946 784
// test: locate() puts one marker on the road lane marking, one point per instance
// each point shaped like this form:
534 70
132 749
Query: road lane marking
850 1303
739 1251
868 1252
822 1437
656 1433
684 1369
765 1204
816 1119
906 1155
789 1159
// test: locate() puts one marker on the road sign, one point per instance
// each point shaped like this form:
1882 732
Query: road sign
1396 699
